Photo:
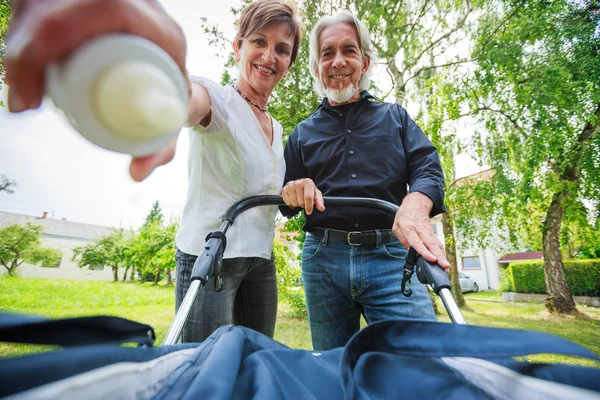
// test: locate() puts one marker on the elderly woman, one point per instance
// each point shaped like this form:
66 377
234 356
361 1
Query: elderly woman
236 146
236 151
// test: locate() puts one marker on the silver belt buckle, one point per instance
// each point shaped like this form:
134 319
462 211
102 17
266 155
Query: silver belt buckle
349 235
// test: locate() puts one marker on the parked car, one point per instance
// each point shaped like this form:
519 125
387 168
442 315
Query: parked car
467 284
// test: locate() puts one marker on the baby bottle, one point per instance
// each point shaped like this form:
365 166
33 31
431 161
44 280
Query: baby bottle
121 92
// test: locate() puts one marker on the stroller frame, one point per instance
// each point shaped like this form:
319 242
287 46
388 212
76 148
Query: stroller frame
209 262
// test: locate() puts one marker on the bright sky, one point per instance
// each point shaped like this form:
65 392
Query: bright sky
60 172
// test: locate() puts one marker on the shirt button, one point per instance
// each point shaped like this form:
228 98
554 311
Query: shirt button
351 152
349 131
353 175
356 225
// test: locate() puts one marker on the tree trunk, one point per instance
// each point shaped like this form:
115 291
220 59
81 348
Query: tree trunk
450 244
157 277
559 298
432 297
125 274
169 280
11 270
132 274
115 273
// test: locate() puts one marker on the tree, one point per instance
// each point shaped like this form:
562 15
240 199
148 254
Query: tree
154 248
21 243
106 251
7 185
536 88
155 214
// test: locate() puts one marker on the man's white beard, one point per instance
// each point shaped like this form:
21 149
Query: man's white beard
340 95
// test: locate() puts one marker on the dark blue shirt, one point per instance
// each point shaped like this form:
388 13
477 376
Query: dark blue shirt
365 149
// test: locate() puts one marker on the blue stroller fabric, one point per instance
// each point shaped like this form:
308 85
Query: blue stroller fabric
391 359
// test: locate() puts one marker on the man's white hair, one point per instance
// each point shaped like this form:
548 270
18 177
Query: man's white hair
364 40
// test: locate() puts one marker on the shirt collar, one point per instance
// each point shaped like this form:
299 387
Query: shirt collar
363 95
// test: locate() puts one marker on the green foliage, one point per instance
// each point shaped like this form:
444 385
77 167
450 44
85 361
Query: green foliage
412 38
288 281
7 185
583 277
21 243
287 276
155 215
535 89
153 250
106 251
5 13
297 303
294 226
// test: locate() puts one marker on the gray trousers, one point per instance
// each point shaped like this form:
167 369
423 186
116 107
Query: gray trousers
249 297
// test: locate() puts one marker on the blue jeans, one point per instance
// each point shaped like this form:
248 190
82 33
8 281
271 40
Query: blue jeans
341 282
249 297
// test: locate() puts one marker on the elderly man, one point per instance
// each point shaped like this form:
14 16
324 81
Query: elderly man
355 145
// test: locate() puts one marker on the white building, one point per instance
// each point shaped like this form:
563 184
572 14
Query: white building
62 235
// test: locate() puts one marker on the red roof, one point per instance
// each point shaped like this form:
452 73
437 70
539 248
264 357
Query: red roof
528 255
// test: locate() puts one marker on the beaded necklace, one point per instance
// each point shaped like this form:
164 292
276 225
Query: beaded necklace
250 101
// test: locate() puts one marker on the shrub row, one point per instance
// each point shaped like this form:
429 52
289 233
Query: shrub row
583 277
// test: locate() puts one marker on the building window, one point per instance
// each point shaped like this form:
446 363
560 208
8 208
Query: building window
471 263
434 227
57 265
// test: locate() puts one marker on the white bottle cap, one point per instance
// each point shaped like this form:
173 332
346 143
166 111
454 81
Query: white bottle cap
122 93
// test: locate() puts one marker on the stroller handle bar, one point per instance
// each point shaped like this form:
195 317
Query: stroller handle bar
254 201
208 264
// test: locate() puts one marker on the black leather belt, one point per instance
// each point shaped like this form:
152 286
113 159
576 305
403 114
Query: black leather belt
355 238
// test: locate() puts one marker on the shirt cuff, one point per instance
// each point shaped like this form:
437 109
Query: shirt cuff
435 195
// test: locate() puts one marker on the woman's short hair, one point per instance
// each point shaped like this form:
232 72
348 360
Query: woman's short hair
260 13
364 40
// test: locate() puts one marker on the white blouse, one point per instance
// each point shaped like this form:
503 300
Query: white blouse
229 160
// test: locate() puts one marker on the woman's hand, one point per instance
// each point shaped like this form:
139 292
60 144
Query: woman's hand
43 32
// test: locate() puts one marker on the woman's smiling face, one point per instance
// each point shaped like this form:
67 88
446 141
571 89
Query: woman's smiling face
264 57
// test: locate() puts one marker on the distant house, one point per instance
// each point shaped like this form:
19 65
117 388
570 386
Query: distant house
525 256
65 236
484 265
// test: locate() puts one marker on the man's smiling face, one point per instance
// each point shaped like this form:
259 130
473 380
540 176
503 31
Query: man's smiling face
341 63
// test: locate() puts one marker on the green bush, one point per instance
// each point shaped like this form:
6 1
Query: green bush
297 303
288 278
583 277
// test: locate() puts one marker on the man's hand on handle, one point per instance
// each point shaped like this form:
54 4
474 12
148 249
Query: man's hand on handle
43 32
413 228
303 193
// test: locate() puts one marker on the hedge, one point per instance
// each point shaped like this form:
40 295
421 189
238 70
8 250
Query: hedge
583 277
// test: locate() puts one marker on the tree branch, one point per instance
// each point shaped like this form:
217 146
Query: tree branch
387 69
421 14
488 108
497 29
572 173
437 66
458 26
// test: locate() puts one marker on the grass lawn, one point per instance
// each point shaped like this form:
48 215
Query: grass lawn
154 305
